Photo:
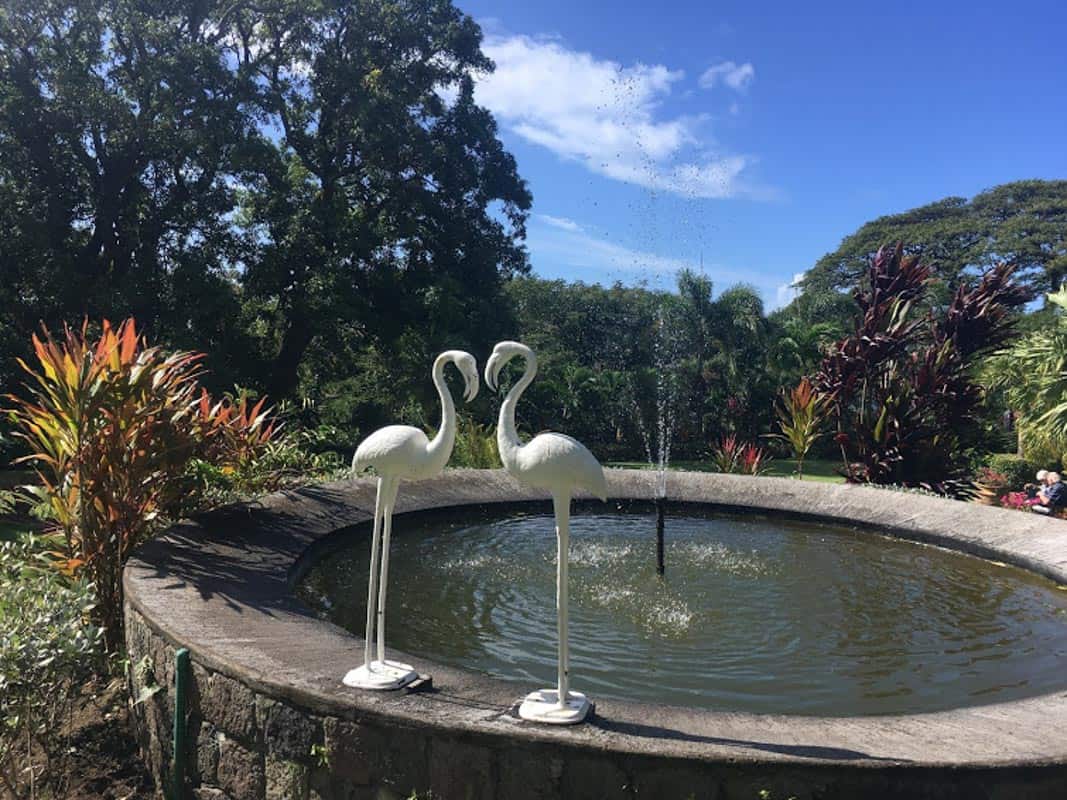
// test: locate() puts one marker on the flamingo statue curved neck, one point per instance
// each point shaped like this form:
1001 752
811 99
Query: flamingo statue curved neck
397 452
507 435
560 464
440 447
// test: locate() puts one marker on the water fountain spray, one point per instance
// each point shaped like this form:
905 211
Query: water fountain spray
666 395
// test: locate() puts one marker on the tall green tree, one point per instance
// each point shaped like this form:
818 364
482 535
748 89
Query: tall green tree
724 341
1023 223
388 212
120 125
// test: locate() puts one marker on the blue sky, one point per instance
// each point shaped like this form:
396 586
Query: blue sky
757 137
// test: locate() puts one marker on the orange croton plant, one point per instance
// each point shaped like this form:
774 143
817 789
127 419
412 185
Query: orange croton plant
111 425
801 412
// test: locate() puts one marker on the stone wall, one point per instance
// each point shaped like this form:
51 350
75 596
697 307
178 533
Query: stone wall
243 745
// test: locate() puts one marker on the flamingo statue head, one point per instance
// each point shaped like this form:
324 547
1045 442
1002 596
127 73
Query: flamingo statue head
468 368
502 354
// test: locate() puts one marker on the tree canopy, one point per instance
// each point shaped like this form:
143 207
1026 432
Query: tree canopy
264 175
120 129
1023 223
385 206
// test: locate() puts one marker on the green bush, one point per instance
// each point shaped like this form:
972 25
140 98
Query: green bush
1018 470
292 457
475 446
48 648
1042 445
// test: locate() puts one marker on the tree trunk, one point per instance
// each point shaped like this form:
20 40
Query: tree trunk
284 373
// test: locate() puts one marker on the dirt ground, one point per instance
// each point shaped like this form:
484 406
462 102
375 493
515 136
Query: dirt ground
104 761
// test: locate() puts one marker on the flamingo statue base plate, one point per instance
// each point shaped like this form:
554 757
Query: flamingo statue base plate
542 706
380 676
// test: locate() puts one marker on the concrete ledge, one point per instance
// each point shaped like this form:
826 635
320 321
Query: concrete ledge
269 717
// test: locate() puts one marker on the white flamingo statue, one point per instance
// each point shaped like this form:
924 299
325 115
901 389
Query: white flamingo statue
401 452
559 464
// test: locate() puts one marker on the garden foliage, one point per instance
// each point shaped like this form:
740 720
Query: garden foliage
48 648
475 445
112 426
1032 374
903 398
801 412
731 455
323 213
1017 471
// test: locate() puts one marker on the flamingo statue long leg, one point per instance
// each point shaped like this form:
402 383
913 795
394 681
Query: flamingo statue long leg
401 452
559 464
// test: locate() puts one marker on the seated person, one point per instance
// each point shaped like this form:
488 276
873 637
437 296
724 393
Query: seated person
1054 497
1034 489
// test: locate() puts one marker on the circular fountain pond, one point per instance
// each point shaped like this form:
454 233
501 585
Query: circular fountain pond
793 649
757 614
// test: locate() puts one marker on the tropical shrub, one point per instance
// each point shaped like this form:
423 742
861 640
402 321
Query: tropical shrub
289 457
987 476
733 456
234 433
1041 445
48 648
1016 470
295 456
112 427
801 411
901 389
1032 374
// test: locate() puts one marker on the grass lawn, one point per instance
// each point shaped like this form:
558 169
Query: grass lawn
815 469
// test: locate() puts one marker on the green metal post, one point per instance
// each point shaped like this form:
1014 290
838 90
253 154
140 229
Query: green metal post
181 692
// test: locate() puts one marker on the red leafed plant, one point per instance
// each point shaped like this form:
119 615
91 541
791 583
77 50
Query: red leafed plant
111 426
235 433
900 388
801 412
752 459
731 455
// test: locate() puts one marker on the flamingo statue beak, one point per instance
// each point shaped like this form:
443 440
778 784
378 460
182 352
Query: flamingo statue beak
492 370
470 375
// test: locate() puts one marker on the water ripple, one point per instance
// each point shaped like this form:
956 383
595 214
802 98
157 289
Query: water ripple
754 614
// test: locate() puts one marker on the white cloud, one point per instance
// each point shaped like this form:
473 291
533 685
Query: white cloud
608 117
735 76
583 254
576 249
788 292
560 222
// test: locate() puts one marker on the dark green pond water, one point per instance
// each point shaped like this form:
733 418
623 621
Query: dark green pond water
755 614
